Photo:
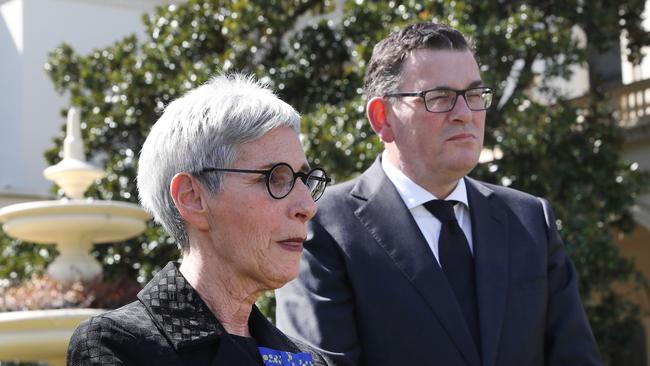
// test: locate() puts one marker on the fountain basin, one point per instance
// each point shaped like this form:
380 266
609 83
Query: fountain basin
39 335
74 226
51 222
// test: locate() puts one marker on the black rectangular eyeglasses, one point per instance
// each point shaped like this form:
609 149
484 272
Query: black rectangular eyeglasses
440 100
280 179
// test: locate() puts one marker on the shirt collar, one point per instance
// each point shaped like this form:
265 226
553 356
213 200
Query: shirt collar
413 194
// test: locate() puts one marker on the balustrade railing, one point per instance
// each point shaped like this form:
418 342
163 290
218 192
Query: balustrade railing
633 103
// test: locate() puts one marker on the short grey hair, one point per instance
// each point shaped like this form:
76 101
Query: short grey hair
204 129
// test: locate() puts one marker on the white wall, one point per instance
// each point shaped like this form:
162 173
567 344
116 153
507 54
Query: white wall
11 42
630 72
29 106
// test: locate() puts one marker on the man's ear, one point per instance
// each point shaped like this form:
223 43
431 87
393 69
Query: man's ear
377 109
189 197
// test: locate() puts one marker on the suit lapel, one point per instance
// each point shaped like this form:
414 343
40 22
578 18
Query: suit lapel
391 224
490 238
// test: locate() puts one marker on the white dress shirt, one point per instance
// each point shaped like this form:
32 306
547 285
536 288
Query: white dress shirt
414 198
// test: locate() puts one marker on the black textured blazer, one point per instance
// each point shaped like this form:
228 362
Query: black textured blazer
170 324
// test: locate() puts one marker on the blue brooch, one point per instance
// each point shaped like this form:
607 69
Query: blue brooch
272 357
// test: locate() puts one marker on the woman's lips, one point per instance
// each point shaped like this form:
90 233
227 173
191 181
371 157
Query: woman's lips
292 244
461 137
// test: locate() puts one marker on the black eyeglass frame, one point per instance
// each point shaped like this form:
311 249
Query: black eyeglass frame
267 173
463 92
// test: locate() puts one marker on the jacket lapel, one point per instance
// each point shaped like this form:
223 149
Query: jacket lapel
263 331
178 311
185 320
270 336
490 238
230 353
391 224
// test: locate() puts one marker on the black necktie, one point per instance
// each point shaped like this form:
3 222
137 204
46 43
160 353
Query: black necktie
457 262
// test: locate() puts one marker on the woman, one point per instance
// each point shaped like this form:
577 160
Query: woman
224 172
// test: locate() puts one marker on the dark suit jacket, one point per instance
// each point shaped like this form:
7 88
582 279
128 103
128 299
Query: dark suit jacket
171 325
370 288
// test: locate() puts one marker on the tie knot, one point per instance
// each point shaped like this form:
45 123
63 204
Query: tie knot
441 209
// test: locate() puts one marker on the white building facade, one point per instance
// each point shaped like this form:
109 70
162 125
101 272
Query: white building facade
29 106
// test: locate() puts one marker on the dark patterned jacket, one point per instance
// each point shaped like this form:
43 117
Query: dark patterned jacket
170 324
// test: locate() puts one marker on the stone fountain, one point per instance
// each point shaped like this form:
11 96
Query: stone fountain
73 224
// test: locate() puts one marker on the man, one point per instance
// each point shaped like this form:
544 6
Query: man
415 263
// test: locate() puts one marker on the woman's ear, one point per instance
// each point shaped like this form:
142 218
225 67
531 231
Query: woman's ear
377 110
189 197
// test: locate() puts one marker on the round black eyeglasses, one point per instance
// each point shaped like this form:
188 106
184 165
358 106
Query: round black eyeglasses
280 179
441 100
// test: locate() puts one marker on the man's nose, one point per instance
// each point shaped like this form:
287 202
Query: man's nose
461 110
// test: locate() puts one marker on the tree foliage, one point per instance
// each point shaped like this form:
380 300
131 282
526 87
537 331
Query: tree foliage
314 54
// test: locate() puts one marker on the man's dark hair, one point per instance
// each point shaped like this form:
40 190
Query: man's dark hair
385 65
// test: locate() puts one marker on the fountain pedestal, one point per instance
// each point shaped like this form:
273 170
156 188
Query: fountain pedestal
73 224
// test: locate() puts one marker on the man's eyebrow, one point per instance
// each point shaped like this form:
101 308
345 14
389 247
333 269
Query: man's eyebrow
476 83
473 84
